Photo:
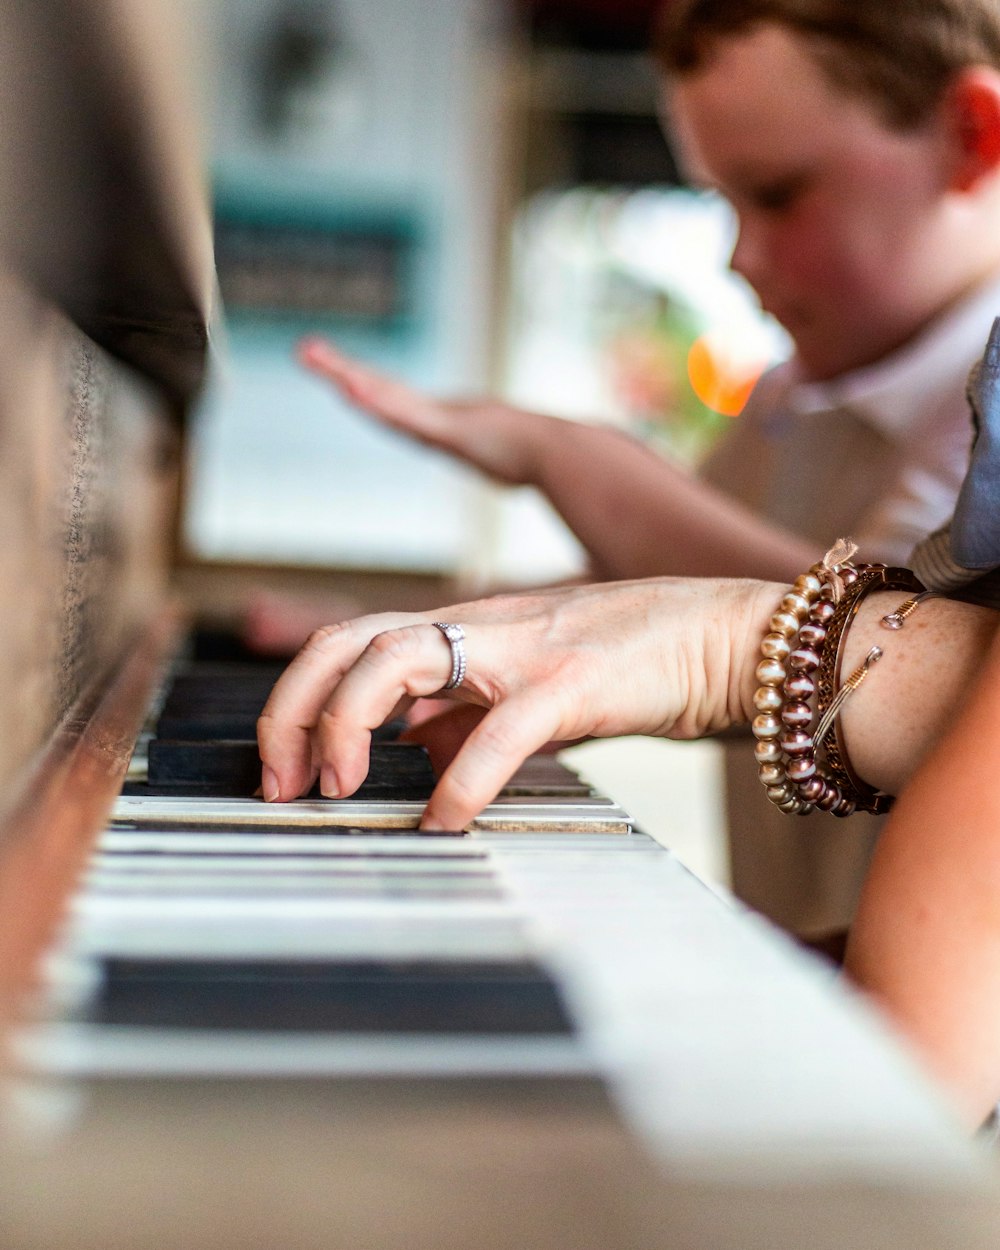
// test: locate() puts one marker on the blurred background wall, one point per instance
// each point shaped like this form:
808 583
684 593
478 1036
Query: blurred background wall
357 149
475 195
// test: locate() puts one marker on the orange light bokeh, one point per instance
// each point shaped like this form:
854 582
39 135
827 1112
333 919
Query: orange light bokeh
722 382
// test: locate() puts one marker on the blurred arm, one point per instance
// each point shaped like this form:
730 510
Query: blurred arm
926 941
635 514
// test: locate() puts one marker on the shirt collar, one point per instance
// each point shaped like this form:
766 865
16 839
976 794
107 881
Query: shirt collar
885 393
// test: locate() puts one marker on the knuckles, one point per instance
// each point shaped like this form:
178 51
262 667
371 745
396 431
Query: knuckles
496 738
330 726
397 645
323 639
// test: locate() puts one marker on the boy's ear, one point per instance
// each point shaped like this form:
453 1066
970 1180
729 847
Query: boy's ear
973 105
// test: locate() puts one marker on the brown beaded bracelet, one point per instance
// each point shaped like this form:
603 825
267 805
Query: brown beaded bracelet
783 703
791 652
838 766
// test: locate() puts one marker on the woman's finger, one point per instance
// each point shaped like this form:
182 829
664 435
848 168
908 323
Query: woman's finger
494 750
391 401
286 724
408 662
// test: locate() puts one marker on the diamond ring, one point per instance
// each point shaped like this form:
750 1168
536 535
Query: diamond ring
455 635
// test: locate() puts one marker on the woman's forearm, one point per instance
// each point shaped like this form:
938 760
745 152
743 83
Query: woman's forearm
926 941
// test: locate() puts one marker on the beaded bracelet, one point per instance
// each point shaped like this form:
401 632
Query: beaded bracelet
827 600
784 749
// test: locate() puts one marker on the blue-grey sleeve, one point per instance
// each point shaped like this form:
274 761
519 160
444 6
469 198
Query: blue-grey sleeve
975 529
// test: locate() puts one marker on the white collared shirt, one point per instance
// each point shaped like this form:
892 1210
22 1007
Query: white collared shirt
878 454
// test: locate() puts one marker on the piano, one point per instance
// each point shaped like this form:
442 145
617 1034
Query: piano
541 1030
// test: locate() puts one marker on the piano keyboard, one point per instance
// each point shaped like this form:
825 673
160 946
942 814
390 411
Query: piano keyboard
213 928
200 767
314 953
224 939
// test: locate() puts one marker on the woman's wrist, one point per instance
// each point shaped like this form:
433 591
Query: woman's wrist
913 693
915 670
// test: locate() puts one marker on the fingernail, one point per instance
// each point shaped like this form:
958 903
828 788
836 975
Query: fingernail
328 784
314 351
269 785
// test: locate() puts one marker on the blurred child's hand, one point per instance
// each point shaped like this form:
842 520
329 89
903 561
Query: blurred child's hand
493 437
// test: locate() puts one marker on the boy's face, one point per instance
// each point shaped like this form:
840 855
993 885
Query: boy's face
841 219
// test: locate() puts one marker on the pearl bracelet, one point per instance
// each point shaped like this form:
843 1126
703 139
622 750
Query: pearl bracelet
801 656
791 652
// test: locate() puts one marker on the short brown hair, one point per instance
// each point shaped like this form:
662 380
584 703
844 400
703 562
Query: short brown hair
899 54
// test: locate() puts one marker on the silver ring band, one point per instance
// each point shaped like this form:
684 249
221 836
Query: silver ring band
455 636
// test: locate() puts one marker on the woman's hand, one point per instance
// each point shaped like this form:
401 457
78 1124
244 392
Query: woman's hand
501 441
665 657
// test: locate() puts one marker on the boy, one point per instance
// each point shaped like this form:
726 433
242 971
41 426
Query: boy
859 144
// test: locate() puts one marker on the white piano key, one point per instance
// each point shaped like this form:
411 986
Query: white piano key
153 887
727 1047
91 1051
106 866
182 910
315 845
402 933
594 814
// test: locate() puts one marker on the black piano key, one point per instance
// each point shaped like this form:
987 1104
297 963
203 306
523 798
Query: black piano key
223 646
191 675
510 997
212 701
198 686
235 723
207 726
232 769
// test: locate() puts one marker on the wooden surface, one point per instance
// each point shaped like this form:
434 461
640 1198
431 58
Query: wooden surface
428 1166
105 286
83 560
48 832
105 283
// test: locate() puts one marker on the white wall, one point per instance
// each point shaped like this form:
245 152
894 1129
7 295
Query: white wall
412 120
